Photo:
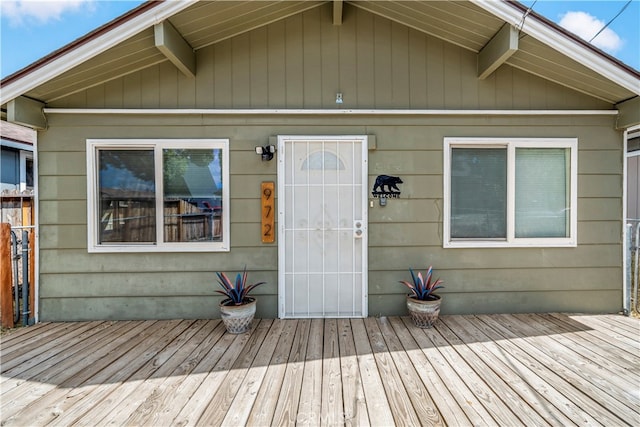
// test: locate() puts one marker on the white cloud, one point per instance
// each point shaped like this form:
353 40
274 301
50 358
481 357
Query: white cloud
34 12
586 26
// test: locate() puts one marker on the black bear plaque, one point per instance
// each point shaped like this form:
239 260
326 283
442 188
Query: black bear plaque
386 186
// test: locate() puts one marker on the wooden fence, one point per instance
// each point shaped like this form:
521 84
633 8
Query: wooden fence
17 213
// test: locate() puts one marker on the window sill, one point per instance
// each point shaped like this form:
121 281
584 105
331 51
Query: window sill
205 247
528 243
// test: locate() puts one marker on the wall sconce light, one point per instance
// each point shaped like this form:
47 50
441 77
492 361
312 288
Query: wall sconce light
266 152
339 98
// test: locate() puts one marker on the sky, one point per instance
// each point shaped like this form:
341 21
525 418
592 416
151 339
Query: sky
31 29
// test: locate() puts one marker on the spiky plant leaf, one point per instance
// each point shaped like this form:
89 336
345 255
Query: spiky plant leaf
422 288
238 291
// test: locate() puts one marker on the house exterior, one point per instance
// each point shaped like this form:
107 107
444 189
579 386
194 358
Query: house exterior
473 136
633 175
16 157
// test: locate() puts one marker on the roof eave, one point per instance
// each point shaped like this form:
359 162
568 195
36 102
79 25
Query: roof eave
88 46
152 12
564 42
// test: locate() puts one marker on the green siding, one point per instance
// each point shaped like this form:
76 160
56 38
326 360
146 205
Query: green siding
301 62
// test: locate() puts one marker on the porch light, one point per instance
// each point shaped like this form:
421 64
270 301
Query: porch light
266 152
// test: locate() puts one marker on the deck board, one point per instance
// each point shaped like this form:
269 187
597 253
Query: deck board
596 344
223 398
224 354
559 376
499 411
53 377
30 349
146 396
32 364
130 393
526 384
618 336
598 364
286 410
497 381
463 396
355 408
378 406
13 342
251 382
417 393
397 396
310 403
97 384
266 399
165 403
526 369
596 381
439 391
332 409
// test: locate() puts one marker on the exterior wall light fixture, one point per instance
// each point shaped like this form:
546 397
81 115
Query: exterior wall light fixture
266 152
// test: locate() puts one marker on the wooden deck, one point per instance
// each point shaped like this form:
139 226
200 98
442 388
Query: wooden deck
505 370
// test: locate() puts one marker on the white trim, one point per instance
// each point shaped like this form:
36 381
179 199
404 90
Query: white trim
36 234
630 133
626 298
633 131
17 145
511 144
563 44
345 112
24 156
92 48
157 145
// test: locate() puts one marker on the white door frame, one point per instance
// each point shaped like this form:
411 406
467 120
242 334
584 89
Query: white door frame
282 162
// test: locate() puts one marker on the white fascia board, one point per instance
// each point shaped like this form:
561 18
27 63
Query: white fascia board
92 48
321 112
562 44
17 145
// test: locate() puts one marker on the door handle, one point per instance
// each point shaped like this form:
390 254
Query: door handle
357 229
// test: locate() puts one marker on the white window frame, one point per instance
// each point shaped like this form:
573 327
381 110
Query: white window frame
511 144
93 145
24 156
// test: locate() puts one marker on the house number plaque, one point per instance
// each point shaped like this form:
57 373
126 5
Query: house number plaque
268 229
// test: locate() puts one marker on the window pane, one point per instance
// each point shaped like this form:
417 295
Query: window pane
478 193
126 188
542 192
29 172
9 166
192 195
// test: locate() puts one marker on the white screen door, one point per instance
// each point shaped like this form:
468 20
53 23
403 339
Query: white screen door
322 226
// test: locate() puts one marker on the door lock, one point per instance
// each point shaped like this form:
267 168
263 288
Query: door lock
357 229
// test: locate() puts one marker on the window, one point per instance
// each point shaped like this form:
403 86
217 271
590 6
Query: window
158 195
510 192
9 166
26 171
16 168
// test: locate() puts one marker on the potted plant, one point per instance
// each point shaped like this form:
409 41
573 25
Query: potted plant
238 308
422 303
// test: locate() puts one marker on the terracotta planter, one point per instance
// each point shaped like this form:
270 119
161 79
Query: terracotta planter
424 313
237 318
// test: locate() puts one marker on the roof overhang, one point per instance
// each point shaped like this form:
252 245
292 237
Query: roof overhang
21 135
563 41
90 46
484 27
